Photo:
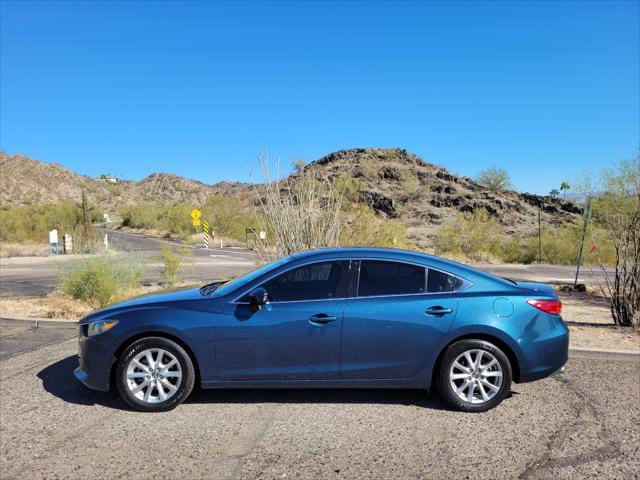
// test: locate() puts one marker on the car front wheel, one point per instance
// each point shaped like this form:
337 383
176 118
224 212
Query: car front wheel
474 375
155 374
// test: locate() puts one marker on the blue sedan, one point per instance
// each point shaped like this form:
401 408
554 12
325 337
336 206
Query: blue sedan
331 318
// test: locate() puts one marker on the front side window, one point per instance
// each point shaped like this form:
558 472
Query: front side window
310 282
379 277
438 282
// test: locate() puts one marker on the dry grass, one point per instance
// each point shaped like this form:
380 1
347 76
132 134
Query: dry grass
57 305
53 305
8 250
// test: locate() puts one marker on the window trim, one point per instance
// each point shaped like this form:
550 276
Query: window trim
270 277
466 284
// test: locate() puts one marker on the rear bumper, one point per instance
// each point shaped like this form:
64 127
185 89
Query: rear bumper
545 354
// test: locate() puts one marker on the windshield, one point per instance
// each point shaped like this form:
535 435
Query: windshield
238 282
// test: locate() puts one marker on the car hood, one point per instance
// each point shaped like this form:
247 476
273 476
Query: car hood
177 298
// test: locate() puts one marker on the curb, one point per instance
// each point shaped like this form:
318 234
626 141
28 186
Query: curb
581 353
37 322
611 355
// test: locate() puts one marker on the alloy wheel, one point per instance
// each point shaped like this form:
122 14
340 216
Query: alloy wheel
476 376
154 375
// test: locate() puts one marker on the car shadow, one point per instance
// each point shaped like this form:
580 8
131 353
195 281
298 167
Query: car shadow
58 380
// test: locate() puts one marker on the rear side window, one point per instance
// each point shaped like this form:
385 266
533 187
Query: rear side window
309 282
441 282
379 277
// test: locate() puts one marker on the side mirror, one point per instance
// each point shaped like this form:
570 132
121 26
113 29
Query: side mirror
258 297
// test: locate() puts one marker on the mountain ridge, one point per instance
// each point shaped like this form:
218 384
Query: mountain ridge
395 183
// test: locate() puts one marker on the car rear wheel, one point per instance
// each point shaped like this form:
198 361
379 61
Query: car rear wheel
155 374
474 375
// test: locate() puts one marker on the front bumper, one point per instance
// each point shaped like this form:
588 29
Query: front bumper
95 358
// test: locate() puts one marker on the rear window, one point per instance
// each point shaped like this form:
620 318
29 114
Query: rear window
379 277
438 281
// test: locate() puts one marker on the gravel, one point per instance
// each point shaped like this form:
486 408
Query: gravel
582 423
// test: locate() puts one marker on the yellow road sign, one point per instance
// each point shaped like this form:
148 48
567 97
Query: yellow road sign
195 214
196 222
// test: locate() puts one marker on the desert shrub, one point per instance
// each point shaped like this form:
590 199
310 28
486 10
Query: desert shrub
495 179
177 220
227 217
349 188
298 213
96 280
472 235
141 215
479 237
31 224
174 219
409 184
362 228
391 233
175 263
616 209
368 168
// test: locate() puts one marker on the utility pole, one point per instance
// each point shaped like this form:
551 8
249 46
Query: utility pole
85 214
587 214
539 234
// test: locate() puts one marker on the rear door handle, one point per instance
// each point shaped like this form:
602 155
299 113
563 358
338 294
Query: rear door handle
322 319
438 311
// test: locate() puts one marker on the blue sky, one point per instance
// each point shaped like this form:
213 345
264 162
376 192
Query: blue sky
546 90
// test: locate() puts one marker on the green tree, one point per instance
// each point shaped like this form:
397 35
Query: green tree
554 193
495 179
616 208
564 186
299 164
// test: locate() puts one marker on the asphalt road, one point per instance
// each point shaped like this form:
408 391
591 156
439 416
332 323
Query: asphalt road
584 423
38 276
22 277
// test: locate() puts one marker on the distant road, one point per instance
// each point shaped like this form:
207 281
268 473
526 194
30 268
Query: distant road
37 276
33 276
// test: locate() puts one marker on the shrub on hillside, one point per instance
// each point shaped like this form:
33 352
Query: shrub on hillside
97 280
480 237
362 228
495 179
474 235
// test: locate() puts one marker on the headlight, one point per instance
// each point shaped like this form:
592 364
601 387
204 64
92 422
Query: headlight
101 326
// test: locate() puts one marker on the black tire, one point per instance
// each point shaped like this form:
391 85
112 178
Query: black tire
186 366
444 383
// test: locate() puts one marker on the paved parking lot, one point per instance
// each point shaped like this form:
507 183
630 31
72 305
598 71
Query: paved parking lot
584 423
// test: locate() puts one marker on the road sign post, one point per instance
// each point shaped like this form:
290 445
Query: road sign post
205 227
196 214
53 239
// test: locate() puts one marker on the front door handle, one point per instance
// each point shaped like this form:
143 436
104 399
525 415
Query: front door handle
438 311
322 319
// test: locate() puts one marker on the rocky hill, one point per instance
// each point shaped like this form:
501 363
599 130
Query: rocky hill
26 181
401 185
395 183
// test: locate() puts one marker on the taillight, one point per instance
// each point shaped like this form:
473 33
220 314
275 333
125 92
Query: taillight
554 307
